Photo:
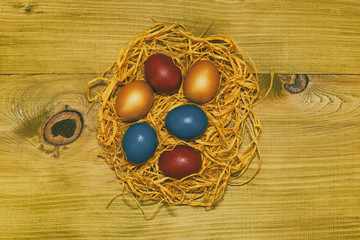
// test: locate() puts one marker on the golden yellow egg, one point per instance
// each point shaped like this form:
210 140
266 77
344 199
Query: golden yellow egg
201 82
134 101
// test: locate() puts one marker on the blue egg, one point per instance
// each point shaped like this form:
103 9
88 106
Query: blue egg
186 122
139 142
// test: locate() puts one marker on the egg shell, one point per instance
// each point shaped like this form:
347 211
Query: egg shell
162 74
201 82
139 142
186 121
180 162
134 101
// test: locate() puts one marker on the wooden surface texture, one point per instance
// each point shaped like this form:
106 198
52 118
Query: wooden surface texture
309 183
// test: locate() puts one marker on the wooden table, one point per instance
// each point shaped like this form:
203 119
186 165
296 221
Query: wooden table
308 186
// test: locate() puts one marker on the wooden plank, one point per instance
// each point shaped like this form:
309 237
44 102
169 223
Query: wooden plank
308 186
85 36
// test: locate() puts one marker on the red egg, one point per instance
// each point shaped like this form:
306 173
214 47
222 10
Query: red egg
162 74
180 162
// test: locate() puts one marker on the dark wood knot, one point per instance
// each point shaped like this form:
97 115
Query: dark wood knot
298 85
64 127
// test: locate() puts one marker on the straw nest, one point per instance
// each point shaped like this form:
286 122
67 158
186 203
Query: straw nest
230 142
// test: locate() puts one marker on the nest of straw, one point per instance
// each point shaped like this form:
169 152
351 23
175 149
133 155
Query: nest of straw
226 153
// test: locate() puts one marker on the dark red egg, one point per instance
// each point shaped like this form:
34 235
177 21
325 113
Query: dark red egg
180 162
162 73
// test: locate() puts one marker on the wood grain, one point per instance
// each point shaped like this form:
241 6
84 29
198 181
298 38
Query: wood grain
308 186
85 36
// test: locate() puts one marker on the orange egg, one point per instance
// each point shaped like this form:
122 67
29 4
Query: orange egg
201 82
134 101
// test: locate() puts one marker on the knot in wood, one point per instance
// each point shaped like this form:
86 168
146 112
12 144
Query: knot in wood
64 127
298 85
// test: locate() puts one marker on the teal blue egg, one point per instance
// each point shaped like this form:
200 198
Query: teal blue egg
186 122
139 142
